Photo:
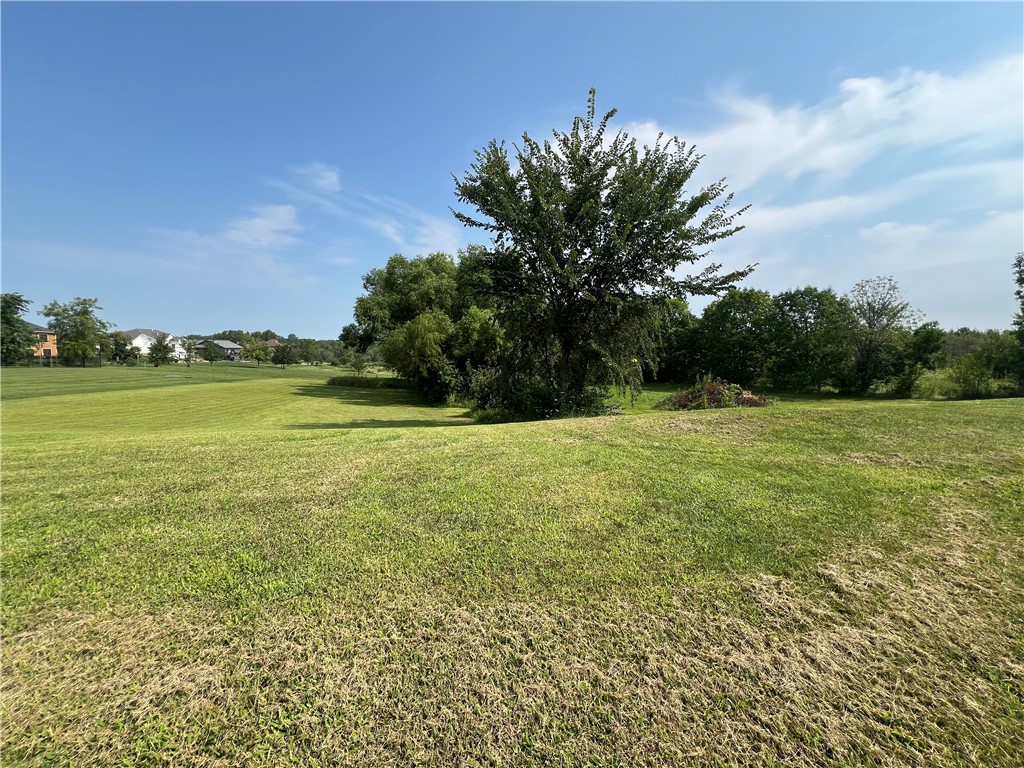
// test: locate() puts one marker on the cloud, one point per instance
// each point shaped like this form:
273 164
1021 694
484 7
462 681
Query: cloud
410 229
320 176
269 228
909 111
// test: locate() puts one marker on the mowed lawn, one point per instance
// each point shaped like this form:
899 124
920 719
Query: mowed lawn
230 566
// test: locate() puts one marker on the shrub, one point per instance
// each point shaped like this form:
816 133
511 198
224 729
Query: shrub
972 376
711 393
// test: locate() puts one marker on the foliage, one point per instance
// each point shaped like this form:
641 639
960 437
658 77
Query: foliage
161 351
1018 279
17 340
404 289
358 363
237 336
678 346
191 350
285 355
309 351
884 318
121 350
972 375
80 332
210 352
735 336
584 231
709 392
811 344
257 350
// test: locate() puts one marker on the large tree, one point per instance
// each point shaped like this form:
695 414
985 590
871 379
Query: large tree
16 336
585 230
80 332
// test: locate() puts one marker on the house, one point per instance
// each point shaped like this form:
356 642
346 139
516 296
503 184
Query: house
143 338
228 349
46 348
274 344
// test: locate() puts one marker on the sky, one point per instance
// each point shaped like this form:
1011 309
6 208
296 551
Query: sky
207 166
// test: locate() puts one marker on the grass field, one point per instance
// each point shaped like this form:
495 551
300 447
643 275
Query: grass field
229 566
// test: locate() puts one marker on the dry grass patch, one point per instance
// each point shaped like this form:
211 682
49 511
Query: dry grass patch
916 662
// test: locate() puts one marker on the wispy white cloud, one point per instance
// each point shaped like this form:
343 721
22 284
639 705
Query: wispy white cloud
959 114
269 228
320 176
411 230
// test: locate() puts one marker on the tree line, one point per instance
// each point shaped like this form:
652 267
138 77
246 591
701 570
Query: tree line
83 337
581 289
435 321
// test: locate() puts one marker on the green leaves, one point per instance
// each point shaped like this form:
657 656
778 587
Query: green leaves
586 228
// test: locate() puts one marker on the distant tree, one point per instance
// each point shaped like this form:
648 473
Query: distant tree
17 340
926 344
79 330
678 359
190 347
120 347
735 336
236 336
884 318
210 352
972 376
285 355
586 229
257 350
1018 278
309 351
811 339
358 363
1018 320
356 337
161 351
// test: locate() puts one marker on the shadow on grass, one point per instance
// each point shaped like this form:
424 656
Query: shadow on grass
361 396
454 421
390 398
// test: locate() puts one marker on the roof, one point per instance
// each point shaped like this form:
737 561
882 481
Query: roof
225 344
151 332
273 343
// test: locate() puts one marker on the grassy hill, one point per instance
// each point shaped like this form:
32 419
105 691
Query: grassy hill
224 566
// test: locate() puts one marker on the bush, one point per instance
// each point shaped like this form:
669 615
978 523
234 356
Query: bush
972 376
711 393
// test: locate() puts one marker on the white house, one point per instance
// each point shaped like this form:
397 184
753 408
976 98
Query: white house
143 338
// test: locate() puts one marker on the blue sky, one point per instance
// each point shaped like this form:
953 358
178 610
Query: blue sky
201 166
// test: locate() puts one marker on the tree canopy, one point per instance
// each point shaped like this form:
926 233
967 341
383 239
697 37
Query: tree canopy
16 337
586 231
161 351
80 332
257 350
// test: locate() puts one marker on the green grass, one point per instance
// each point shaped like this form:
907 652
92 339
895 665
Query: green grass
240 565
